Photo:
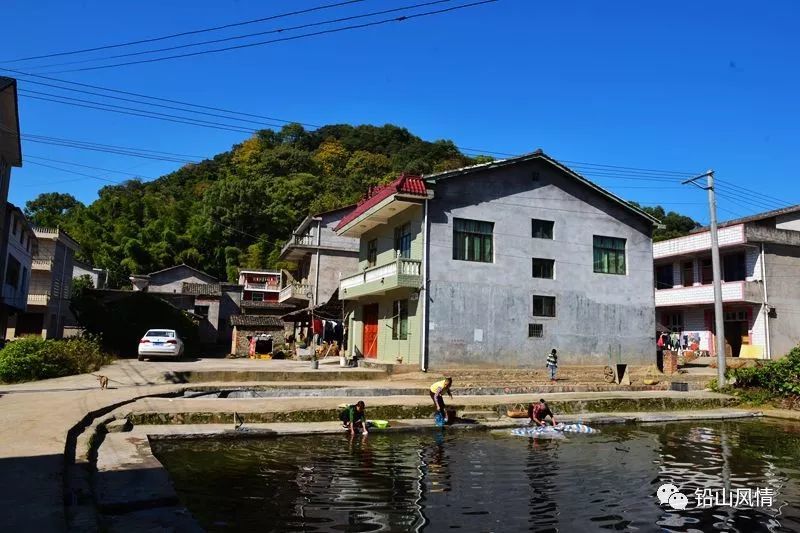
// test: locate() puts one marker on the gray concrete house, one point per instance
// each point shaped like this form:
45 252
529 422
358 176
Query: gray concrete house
99 276
20 246
760 259
320 255
495 264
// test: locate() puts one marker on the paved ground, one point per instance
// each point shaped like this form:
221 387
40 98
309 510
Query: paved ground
35 419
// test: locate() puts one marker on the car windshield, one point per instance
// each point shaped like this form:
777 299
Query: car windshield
160 333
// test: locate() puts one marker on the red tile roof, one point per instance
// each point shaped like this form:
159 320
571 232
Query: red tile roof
413 185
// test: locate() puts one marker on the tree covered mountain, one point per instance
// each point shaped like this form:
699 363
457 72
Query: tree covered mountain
236 210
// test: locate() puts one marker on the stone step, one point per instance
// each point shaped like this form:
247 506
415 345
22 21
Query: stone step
209 376
480 415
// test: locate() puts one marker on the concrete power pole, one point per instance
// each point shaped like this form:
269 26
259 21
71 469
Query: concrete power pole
717 272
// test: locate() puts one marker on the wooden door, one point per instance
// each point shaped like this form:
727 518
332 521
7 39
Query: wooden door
370 337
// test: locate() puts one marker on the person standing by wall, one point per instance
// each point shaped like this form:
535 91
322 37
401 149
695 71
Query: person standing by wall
552 364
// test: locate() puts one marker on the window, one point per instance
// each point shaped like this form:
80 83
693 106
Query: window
733 267
473 240
544 306
664 277
542 229
402 241
688 273
535 330
15 226
13 271
609 255
201 310
400 320
372 252
735 316
673 321
543 268
24 282
258 296
706 272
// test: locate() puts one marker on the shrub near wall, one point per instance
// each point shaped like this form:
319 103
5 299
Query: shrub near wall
781 377
34 358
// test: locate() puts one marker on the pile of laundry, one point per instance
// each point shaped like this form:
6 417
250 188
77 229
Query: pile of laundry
551 432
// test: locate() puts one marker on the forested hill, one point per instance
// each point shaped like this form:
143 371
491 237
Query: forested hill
236 210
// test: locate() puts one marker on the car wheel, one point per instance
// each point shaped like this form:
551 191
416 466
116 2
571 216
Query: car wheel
140 358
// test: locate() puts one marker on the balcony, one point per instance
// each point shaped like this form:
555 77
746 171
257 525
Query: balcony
42 264
295 293
382 279
40 299
251 286
734 291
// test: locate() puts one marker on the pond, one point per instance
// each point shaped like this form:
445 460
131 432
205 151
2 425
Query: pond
493 481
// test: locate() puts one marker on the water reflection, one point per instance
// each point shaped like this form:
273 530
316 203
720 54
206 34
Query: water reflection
490 481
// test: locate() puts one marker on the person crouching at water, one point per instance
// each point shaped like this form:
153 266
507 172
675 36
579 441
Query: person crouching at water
437 391
353 415
538 412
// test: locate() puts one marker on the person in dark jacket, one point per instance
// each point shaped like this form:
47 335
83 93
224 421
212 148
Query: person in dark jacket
352 415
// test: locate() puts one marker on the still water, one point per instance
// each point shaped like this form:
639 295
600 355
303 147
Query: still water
492 481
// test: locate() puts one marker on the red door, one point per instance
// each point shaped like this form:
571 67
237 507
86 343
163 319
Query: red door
370 347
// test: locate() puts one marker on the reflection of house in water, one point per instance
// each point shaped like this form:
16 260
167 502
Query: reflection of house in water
760 262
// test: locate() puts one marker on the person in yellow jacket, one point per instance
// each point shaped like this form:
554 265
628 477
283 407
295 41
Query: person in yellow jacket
437 391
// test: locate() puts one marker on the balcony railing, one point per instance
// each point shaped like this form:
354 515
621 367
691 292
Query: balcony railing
733 291
42 264
397 270
38 298
251 286
303 240
297 291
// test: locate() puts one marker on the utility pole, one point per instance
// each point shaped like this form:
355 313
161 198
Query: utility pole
717 271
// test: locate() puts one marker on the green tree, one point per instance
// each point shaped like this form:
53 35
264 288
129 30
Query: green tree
52 209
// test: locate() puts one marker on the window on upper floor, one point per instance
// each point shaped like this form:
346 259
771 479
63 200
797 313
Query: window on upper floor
609 255
13 271
733 267
543 268
400 320
372 252
535 330
544 305
24 280
688 273
542 229
664 277
473 240
673 321
706 271
201 310
402 240
258 297
15 226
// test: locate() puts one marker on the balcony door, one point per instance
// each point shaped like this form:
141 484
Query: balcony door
370 336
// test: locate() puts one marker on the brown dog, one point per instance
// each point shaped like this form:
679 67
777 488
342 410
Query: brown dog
103 381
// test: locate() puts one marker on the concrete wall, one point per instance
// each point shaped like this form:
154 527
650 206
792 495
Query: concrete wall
479 312
328 236
331 264
172 280
783 293
790 221
241 344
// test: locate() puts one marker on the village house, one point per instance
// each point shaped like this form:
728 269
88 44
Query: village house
20 246
10 156
212 302
99 276
760 261
50 287
260 285
320 255
496 264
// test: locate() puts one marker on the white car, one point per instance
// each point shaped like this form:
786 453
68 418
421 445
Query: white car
160 343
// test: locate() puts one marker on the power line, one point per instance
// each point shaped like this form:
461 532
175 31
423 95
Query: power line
245 36
182 34
755 193
28 156
74 172
284 39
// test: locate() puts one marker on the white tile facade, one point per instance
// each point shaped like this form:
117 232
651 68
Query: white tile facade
700 294
698 242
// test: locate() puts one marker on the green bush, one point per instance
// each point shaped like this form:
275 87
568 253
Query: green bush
781 377
34 358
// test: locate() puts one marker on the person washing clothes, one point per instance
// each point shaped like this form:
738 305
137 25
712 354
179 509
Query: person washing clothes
538 412
353 415
552 364
437 391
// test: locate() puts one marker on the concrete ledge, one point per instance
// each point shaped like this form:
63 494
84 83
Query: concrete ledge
323 374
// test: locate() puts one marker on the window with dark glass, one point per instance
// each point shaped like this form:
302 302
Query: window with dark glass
400 320
673 321
201 310
544 306
258 296
609 255
542 229
402 241
372 252
543 268
535 330
733 267
473 240
13 271
664 277
688 273
706 272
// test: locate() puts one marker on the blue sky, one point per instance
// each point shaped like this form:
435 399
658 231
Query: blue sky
682 86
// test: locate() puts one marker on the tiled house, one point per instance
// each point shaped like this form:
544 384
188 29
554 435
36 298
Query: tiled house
20 247
497 264
320 255
260 285
50 286
760 260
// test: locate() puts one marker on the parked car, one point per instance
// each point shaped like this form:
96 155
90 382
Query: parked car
160 343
